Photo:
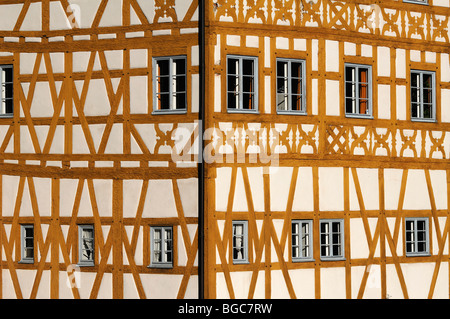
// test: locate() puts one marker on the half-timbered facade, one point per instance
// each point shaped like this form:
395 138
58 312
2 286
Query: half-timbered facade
348 103
94 91
224 149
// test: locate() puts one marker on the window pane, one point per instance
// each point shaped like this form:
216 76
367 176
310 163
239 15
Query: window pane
248 101
427 81
350 74
179 83
415 95
282 68
415 80
427 96
350 105
162 67
350 90
179 66
180 101
163 84
248 67
282 102
233 66
296 70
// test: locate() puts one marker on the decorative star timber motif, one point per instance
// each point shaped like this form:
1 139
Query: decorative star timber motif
165 9
284 11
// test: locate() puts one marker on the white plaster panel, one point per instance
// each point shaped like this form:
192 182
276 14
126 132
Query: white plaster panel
415 56
401 102
441 3
304 195
112 16
97 102
332 282
195 80
240 200
303 283
400 63
9 15
67 194
58 18
138 58
392 184
366 50
278 281
384 101
349 48
445 105
332 56
115 140
233 40
445 68
358 243
255 176
331 184
160 201
384 54
300 44
332 98
189 196
26 145
33 18
315 55
418 277
439 183
416 194
42 105
161 286
267 52
217 93
131 196
241 283
282 43
26 278
267 95
279 187
252 41
138 95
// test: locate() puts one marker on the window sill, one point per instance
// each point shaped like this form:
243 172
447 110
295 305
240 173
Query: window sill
85 264
26 262
292 113
427 254
167 112
303 260
7 116
423 120
356 116
242 111
332 258
161 266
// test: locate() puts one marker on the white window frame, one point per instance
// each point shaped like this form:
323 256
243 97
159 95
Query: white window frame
328 244
162 248
420 117
288 88
172 108
243 242
239 107
302 240
81 248
357 97
424 2
415 240
2 99
24 247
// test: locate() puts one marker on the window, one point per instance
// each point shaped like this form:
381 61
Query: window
291 86
240 242
6 85
358 90
301 240
242 83
169 84
162 247
86 245
27 235
416 236
331 235
423 95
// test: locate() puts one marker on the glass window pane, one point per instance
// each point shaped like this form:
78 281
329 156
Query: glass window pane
162 67
282 69
233 66
248 67
296 69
